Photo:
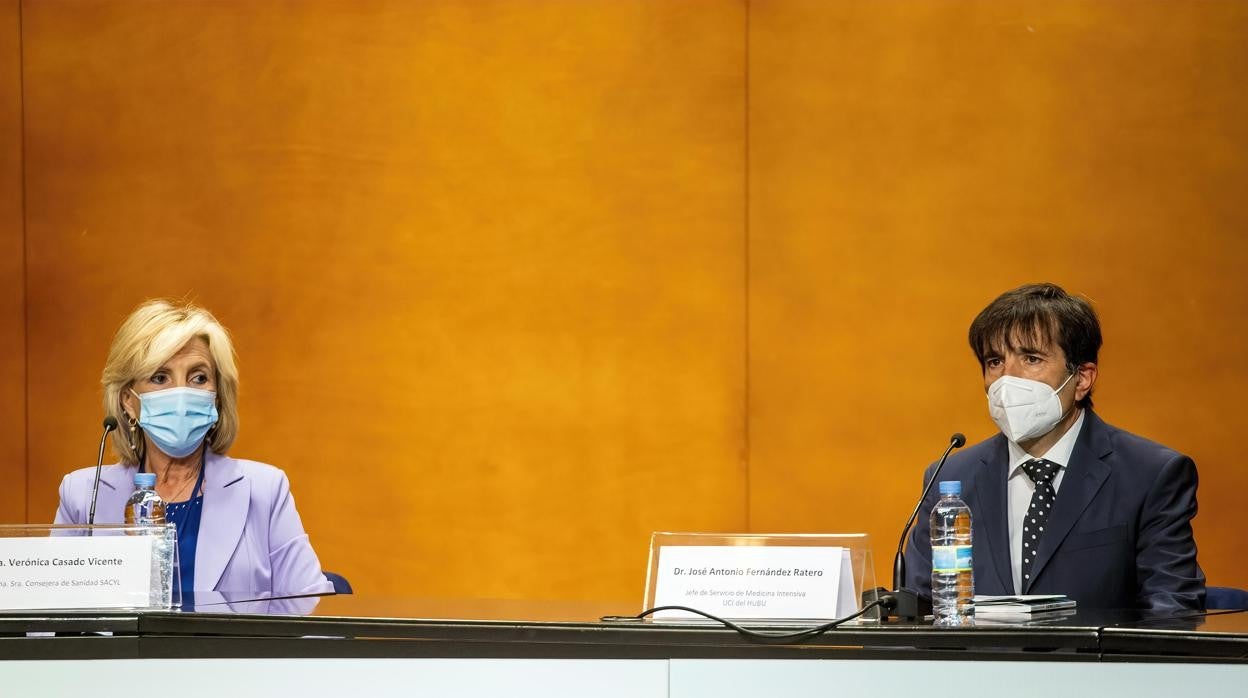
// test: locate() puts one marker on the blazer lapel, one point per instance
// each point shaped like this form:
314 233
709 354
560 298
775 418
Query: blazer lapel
116 486
227 496
1085 474
988 499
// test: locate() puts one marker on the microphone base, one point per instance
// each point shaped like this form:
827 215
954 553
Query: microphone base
906 606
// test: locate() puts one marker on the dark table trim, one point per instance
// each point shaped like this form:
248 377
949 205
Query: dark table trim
174 634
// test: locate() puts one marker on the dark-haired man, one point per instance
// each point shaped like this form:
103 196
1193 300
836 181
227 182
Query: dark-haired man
1062 502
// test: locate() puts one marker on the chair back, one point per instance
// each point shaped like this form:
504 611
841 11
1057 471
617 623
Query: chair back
1225 598
341 585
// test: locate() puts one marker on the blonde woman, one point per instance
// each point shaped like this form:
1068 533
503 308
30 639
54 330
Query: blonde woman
172 385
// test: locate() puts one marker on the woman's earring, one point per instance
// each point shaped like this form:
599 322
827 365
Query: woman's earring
134 426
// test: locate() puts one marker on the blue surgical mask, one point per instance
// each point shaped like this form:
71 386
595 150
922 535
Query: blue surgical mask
177 419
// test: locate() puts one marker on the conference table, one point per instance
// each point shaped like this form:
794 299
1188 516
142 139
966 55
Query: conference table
355 645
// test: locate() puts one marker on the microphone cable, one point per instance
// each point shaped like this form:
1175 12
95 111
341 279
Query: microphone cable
792 638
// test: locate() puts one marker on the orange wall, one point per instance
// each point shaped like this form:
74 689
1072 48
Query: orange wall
505 301
488 297
911 160
12 275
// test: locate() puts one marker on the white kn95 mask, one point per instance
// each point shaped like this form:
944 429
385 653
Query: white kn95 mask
1024 409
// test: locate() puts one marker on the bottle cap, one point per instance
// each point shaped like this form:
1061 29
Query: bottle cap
953 487
149 479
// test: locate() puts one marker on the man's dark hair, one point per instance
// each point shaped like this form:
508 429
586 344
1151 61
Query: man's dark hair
1041 314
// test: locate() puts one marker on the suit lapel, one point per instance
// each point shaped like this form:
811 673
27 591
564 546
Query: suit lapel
1085 474
988 500
227 496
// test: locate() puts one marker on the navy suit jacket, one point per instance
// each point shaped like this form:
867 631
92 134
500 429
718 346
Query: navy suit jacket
1119 535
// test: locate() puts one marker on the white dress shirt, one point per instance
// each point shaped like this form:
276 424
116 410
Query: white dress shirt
1020 488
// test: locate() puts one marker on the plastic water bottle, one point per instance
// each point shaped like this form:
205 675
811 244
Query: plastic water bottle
145 507
953 582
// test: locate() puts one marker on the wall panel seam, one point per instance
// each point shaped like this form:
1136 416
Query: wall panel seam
745 77
25 302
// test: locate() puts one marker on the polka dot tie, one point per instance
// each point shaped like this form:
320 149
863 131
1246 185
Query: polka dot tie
1042 473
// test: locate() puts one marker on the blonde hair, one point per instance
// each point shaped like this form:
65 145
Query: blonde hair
153 333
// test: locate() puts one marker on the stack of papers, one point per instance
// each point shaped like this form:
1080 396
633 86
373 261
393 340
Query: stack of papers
1026 605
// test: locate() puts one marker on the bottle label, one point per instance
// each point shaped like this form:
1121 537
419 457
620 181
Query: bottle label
951 558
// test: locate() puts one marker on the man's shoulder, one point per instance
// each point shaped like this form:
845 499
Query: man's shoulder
1134 448
978 452
972 456
984 450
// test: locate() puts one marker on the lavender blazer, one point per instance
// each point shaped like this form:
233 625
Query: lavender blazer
250 537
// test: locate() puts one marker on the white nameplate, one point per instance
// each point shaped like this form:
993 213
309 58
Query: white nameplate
75 572
773 582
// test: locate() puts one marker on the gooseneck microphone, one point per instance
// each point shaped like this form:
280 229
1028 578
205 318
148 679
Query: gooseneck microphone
110 423
905 604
